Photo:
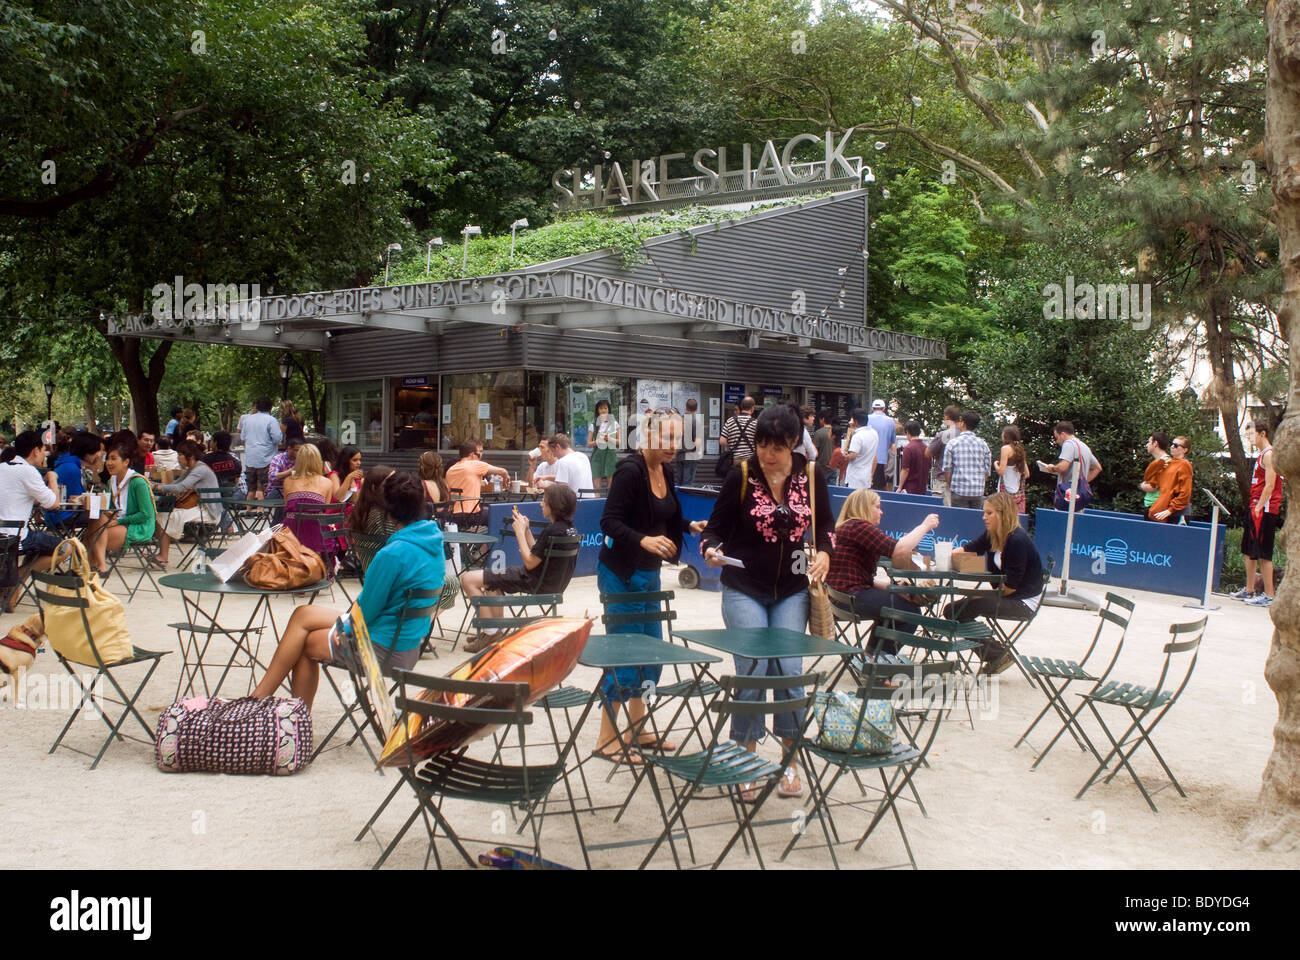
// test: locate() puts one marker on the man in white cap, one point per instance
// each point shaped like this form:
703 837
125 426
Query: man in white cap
883 424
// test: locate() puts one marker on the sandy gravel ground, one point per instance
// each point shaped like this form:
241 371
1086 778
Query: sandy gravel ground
986 808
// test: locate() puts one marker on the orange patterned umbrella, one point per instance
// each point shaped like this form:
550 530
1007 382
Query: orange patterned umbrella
541 655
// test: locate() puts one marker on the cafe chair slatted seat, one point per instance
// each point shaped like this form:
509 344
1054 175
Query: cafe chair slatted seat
454 774
949 639
1146 704
923 695
415 604
1007 637
145 553
90 692
1054 675
206 534
725 765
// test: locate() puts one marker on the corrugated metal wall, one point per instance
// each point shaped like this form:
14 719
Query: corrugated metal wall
379 353
579 351
765 261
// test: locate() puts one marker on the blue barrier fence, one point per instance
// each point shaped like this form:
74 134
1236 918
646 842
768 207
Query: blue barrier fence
1116 549
1126 550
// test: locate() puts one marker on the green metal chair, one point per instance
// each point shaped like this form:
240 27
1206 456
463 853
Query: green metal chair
1142 703
416 604
454 775
903 758
89 689
1008 637
726 765
952 638
1047 671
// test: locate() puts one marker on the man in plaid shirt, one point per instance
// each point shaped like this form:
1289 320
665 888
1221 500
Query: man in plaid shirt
966 463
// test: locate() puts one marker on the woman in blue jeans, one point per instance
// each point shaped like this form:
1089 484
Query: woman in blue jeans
761 517
643 527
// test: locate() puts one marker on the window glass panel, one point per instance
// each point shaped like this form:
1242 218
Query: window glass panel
575 405
359 413
489 406
415 413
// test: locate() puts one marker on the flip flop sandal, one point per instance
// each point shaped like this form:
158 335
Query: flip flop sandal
618 758
657 744
750 792
789 785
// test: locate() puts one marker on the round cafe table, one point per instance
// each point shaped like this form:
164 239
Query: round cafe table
202 623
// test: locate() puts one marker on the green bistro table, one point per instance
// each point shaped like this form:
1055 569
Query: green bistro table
462 538
607 652
250 516
772 643
200 622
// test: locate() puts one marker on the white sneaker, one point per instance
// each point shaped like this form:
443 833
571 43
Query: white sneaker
1245 593
1261 600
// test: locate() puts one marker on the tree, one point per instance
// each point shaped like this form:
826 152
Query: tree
1277 822
137 144
516 90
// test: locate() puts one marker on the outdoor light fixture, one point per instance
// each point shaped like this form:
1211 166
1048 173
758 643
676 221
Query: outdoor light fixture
49 399
867 175
517 225
286 365
428 252
469 231
388 258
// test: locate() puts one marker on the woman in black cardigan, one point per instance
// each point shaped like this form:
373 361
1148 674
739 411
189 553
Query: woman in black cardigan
763 523
643 527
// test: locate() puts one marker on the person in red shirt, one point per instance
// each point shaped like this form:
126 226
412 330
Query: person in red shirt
914 464
1261 520
466 475
860 545
1175 486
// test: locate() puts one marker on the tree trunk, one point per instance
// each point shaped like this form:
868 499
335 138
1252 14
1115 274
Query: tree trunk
1223 391
90 407
1277 822
141 382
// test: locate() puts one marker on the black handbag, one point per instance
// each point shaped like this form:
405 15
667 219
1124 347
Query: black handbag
9 547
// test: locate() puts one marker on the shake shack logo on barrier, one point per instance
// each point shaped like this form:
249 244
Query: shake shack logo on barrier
78 914
1117 554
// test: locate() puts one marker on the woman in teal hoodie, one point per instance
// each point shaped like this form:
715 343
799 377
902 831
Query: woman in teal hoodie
412 559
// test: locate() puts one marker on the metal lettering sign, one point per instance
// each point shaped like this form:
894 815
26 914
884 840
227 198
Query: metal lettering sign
441 301
650 182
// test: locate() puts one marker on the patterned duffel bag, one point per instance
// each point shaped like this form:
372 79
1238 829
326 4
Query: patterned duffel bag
248 735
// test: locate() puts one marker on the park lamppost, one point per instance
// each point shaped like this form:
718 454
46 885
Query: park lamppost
428 253
286 366
521 222
388 258
49 399
469 231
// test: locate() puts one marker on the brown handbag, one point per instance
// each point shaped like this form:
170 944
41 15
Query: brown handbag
188 500
284 564
821 617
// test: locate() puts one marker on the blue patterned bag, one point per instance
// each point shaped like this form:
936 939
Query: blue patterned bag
837 716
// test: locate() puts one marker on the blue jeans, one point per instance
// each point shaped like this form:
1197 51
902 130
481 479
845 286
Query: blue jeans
688 472
626 683
740 610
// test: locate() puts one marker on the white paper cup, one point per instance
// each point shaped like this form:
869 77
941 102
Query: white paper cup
94 506
943 554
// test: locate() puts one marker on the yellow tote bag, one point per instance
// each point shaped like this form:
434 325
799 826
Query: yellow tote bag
105 613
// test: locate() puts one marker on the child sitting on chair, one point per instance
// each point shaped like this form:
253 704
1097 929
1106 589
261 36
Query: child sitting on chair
559 504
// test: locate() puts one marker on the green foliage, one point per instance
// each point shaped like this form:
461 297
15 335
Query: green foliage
512 105
578 234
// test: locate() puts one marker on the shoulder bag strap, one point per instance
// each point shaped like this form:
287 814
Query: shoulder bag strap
744 478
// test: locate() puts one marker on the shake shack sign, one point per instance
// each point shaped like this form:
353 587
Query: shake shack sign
804 162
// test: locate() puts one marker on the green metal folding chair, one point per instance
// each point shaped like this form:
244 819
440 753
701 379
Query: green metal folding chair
1008 636
415 604
1048 671
1142 703
89 690
924 685
455 775
726 765
952 638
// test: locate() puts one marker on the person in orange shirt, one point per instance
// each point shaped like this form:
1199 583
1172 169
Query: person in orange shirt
466 475
1174 503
